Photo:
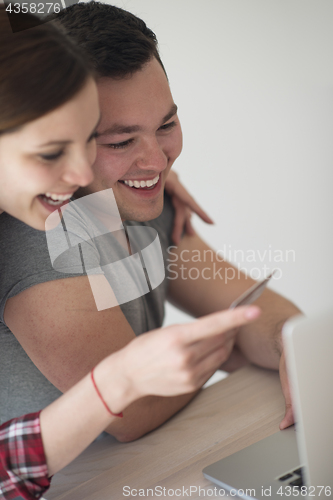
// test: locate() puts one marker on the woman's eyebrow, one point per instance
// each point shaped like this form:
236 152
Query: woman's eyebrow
65 142
50 143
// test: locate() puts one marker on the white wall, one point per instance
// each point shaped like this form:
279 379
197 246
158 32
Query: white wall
253 80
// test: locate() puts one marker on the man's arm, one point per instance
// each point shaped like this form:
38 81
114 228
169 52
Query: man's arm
202 283
60 329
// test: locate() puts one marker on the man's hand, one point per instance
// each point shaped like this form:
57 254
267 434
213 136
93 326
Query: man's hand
288 418
184 205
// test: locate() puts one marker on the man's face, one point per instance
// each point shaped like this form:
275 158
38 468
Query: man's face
139 139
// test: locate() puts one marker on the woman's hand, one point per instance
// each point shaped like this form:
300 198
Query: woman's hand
169 361
175 360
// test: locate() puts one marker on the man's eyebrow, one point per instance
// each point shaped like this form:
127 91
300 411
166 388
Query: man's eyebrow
172 112
117 128
130 129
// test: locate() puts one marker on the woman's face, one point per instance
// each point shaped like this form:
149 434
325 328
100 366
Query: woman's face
44 162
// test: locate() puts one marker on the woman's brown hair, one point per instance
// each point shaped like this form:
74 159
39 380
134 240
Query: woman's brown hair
40 69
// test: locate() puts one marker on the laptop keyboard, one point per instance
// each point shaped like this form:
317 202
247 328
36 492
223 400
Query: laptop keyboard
293 478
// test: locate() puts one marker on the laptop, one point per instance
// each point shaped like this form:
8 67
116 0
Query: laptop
297 461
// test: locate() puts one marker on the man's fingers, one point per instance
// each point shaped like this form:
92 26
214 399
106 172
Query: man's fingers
288 418
179 220
188 224
220 322
175 188
185 196
193 205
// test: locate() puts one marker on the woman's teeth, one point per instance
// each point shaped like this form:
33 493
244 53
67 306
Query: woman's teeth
142 184
56 199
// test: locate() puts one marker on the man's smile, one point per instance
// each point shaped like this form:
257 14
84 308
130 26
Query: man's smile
143 187
149 183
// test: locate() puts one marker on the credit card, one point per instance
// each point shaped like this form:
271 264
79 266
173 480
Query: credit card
252 293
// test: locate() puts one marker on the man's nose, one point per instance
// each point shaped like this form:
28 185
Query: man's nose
152 156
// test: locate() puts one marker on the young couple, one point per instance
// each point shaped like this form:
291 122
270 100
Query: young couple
51 333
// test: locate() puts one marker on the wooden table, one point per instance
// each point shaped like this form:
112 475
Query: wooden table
227 416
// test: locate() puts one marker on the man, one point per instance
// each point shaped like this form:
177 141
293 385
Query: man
54 318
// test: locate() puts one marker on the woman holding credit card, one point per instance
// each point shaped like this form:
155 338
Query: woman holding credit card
48 118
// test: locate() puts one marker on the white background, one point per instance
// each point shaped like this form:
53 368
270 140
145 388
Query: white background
253 80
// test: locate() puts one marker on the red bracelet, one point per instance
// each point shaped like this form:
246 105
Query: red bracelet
101 397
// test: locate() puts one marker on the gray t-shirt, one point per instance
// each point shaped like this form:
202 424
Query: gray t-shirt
25 262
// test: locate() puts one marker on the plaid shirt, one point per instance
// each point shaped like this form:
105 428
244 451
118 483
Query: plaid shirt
23 469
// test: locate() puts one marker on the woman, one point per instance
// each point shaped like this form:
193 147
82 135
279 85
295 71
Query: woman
48 117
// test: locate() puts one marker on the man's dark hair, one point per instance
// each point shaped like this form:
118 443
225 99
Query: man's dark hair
117 42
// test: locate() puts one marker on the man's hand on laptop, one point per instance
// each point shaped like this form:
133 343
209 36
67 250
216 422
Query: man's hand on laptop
184 205
288 418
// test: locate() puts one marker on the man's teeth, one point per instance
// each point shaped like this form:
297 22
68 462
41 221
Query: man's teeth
142 184
57 199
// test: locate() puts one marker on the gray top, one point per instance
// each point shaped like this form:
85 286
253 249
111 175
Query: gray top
25 262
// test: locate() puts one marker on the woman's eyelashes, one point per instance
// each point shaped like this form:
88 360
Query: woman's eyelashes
52 156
